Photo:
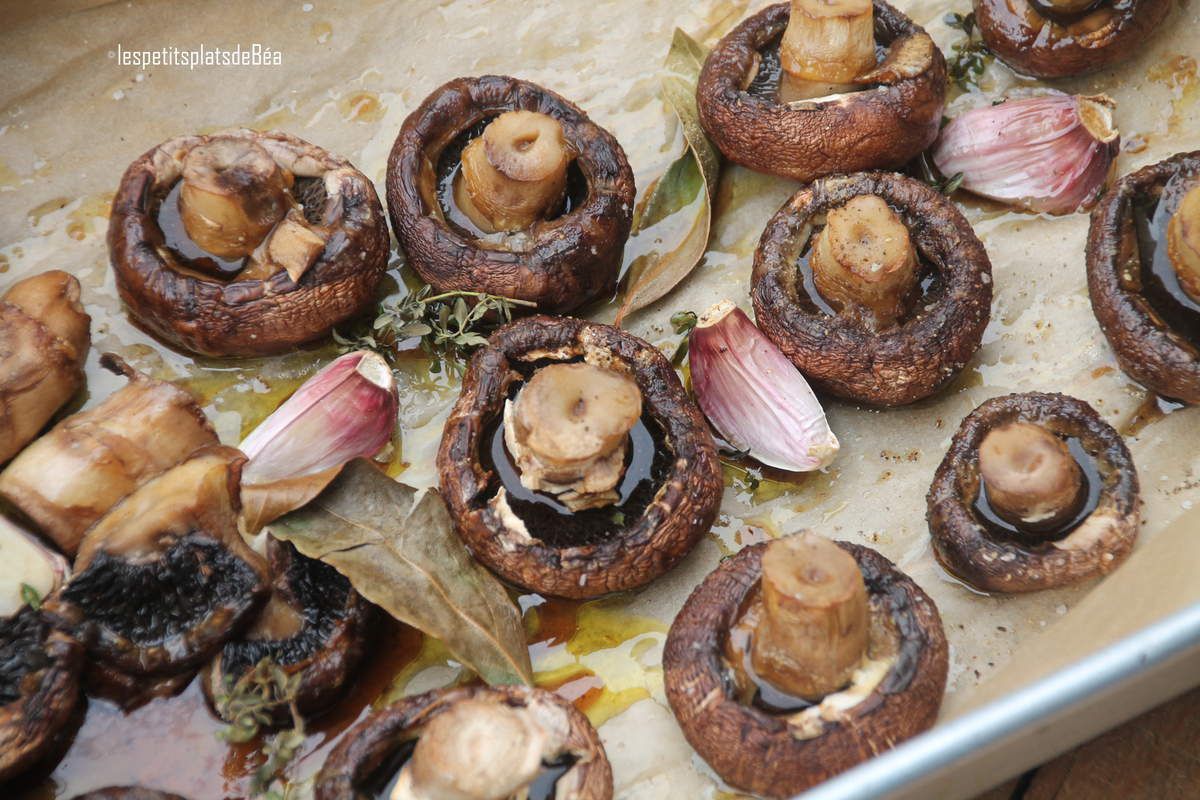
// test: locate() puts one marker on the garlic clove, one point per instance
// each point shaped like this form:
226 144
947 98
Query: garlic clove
1051 153
346 411
754 396
26 565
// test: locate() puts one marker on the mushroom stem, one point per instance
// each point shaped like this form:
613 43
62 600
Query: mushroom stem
863 257
233 194
515 172
1064 8
1183 243
1032 479
814 629
827 44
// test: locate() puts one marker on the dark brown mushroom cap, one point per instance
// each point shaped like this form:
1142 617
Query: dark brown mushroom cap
760 752
373 744
39 689
641 549
1150 352
1033 44
963 543
838 354
335 623
247 317
128 793
885 125
561 263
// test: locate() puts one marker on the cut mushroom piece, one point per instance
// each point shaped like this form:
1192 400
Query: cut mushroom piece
470 744
1062 38
975 543
82 467
892 692
1138 286
314 626
669 493
512 176
940 325
44 340
1030 476
172 546
895 116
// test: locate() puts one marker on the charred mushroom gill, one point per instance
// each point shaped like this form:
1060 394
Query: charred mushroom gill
797 659
164 578
470 744
313 625
1142 275
84 465
817 51
884 304
497 185
669 486
245 243
1036 491
44 340
1061 38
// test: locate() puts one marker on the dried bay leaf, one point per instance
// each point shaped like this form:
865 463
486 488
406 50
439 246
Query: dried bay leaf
678 208
398 548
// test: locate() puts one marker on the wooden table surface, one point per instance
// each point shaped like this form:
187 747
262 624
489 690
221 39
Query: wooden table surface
1153 757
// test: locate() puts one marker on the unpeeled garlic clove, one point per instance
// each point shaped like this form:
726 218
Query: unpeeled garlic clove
26 565
346 411
754 396
1051 153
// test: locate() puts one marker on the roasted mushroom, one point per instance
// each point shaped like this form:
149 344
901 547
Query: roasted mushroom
1143 263
574 464
245 243
73 475
128 793
497 185
1036 491
886 302
164 579
475 743
44 339
797 90
1061 38
313 625
799 658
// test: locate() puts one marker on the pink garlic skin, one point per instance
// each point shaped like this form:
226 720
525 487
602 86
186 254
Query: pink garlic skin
754 396
1051 153
346 411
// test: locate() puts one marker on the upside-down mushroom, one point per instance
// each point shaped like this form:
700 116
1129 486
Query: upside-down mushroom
84 465
884 304
245 243
1143 265
1036 491
796 90
44 339
470 744
799 658
1062 38
498 185
574 464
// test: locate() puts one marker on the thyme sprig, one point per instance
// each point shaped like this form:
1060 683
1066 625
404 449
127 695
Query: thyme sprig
30 596
970 56
682 322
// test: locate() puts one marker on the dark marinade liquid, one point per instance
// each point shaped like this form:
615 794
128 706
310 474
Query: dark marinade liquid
1092 484
450 165
1160 283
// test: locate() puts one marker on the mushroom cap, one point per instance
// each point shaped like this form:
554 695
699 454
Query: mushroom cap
760 752
684 505
372 744
247 317
1147 348
39 689
885 125
965 546
838 354
1034 45
561 263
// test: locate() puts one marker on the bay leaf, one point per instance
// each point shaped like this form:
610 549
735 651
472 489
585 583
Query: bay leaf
678 208
398 548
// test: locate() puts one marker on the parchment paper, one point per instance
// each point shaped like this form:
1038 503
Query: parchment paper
71 119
